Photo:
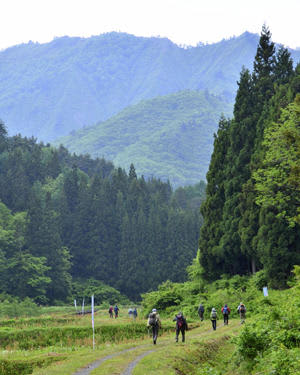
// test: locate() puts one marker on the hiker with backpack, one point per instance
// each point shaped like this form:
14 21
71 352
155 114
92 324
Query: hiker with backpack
181 326
110 311
225 311
135 314
155 323
116 310
242 312
213 318
201 312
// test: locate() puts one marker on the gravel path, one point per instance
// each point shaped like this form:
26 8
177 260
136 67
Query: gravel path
95 364
132 364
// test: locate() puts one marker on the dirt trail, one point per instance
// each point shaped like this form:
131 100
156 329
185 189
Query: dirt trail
128 371
132 364
92 366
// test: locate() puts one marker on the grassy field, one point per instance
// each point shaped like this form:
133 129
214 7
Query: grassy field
60 343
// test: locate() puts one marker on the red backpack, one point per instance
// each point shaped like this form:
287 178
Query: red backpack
180 321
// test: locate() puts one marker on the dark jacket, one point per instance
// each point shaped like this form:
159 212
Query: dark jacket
181 322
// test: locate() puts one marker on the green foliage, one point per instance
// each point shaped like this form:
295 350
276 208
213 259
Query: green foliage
173 297
277 181
82 218
23 367
168 136
252 199
13 308
31 338
267 343
196 361
270 343
252 343
103 294
169 295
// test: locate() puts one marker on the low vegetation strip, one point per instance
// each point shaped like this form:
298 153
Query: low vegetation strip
42 337
24 367
43 321
188 363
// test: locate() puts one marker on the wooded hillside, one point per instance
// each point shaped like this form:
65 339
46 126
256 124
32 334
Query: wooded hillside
169 137
67 218
251 213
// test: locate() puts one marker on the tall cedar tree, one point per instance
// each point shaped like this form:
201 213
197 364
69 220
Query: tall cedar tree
211 256
237 235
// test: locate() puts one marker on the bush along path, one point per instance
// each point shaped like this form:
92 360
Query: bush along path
202 345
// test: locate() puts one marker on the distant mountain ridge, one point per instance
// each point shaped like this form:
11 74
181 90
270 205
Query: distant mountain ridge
169 137
48 90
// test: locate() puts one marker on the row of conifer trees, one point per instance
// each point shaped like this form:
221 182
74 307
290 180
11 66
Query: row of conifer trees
67 218
251 213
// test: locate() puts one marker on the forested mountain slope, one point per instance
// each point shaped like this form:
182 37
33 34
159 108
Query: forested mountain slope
48 90
69 221
169 137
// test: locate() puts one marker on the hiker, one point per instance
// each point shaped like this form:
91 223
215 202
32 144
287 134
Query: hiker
181 326
242 312
225 311
201 312
110 311
134 313
155 323
116 310
213 318
130 312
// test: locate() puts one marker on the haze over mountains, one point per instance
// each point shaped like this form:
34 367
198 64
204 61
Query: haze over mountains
49 90
169 137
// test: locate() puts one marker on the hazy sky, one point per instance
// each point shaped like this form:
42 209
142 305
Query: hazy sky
183 21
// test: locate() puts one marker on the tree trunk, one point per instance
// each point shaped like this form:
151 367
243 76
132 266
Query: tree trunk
253 266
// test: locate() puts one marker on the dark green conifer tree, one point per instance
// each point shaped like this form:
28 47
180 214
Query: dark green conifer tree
211 256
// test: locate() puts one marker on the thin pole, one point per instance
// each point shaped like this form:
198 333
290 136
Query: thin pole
93 324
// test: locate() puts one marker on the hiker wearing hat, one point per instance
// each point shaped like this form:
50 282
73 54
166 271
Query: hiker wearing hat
242 312
181 326
155 323
213 318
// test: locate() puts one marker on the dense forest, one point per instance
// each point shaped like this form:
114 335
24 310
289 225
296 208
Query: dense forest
169 137
67 219
251 213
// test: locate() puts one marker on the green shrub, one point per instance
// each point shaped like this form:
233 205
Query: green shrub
168 295
102 292
251 342
194 361
15 308
24 367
